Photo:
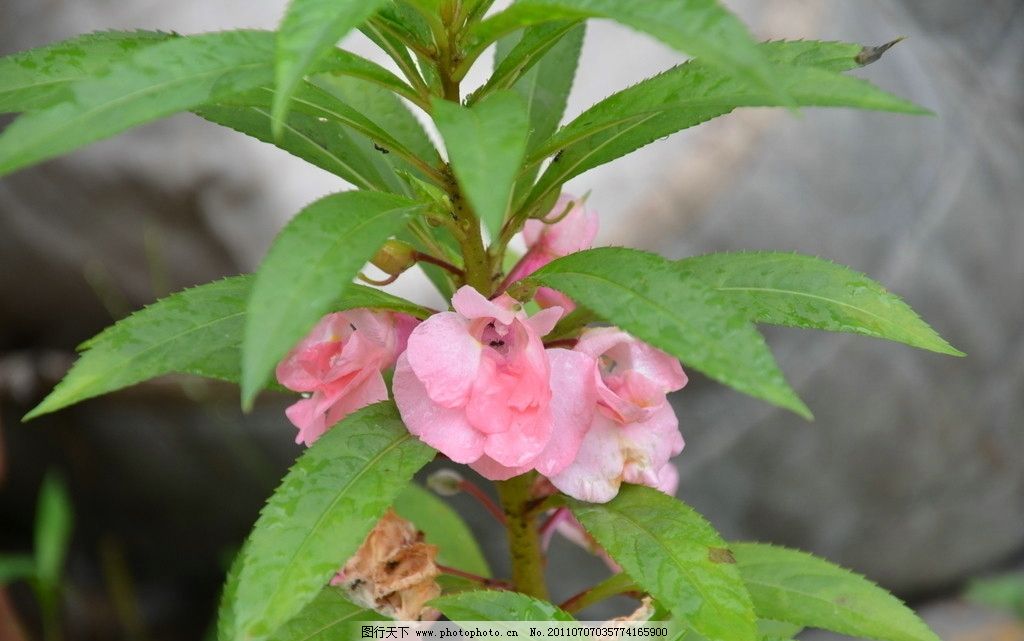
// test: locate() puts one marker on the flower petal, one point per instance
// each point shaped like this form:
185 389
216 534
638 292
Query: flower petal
573 399
440 427
595 474
445 357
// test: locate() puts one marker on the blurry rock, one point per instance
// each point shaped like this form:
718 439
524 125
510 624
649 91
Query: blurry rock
912 471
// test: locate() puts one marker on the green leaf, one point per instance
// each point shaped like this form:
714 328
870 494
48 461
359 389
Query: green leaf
323 141
648 297
486 144
40 77
694 93
53 531
321 514
310 265
228 596
787 585
546 58
498 605
443 527
701 28
674 554
196 331
155 81
804 291
328 617
16 567
768 630
308 32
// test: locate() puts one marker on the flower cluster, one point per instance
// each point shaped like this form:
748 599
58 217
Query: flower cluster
478 383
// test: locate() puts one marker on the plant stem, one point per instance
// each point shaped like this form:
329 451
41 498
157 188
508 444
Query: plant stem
484 581
612 586
523 538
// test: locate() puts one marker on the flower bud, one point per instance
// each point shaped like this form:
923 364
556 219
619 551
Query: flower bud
395 257
446 482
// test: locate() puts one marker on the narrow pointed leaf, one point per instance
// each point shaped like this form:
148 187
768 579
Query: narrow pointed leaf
154 82
327 145
675 555
486 145
40 77
309 30
542 65
791 586
324 141
328 617
310 265
52 531
496 605
648 297
195 331
321 513
701 28
804 291
694 93
456 546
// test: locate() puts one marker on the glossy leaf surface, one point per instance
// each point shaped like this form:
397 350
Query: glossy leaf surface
648 297
498 605
39 77
788 585
486 145
321 513
310 265
674 554
804 291
308 32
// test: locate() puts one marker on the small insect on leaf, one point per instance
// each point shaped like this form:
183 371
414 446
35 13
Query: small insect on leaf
868 55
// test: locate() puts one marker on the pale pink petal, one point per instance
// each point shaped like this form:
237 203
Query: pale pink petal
545 320
524 439
308 415
668 479
367 392
472 304
305 370
550 298
444 429
649 445
404 325
445 358
533 260
573 398
595 341
492 470
595 474
650 361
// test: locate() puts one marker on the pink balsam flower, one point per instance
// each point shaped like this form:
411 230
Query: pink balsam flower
634 431
478 385
339 363
572 233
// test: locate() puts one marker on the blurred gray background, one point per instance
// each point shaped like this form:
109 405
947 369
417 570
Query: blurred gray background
913 472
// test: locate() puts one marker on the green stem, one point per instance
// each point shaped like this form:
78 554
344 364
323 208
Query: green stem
523 537
612 586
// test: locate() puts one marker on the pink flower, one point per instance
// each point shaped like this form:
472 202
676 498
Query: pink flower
572 233
339 363
563 522
634 431
478 385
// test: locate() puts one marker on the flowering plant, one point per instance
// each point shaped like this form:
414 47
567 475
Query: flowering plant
549 374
